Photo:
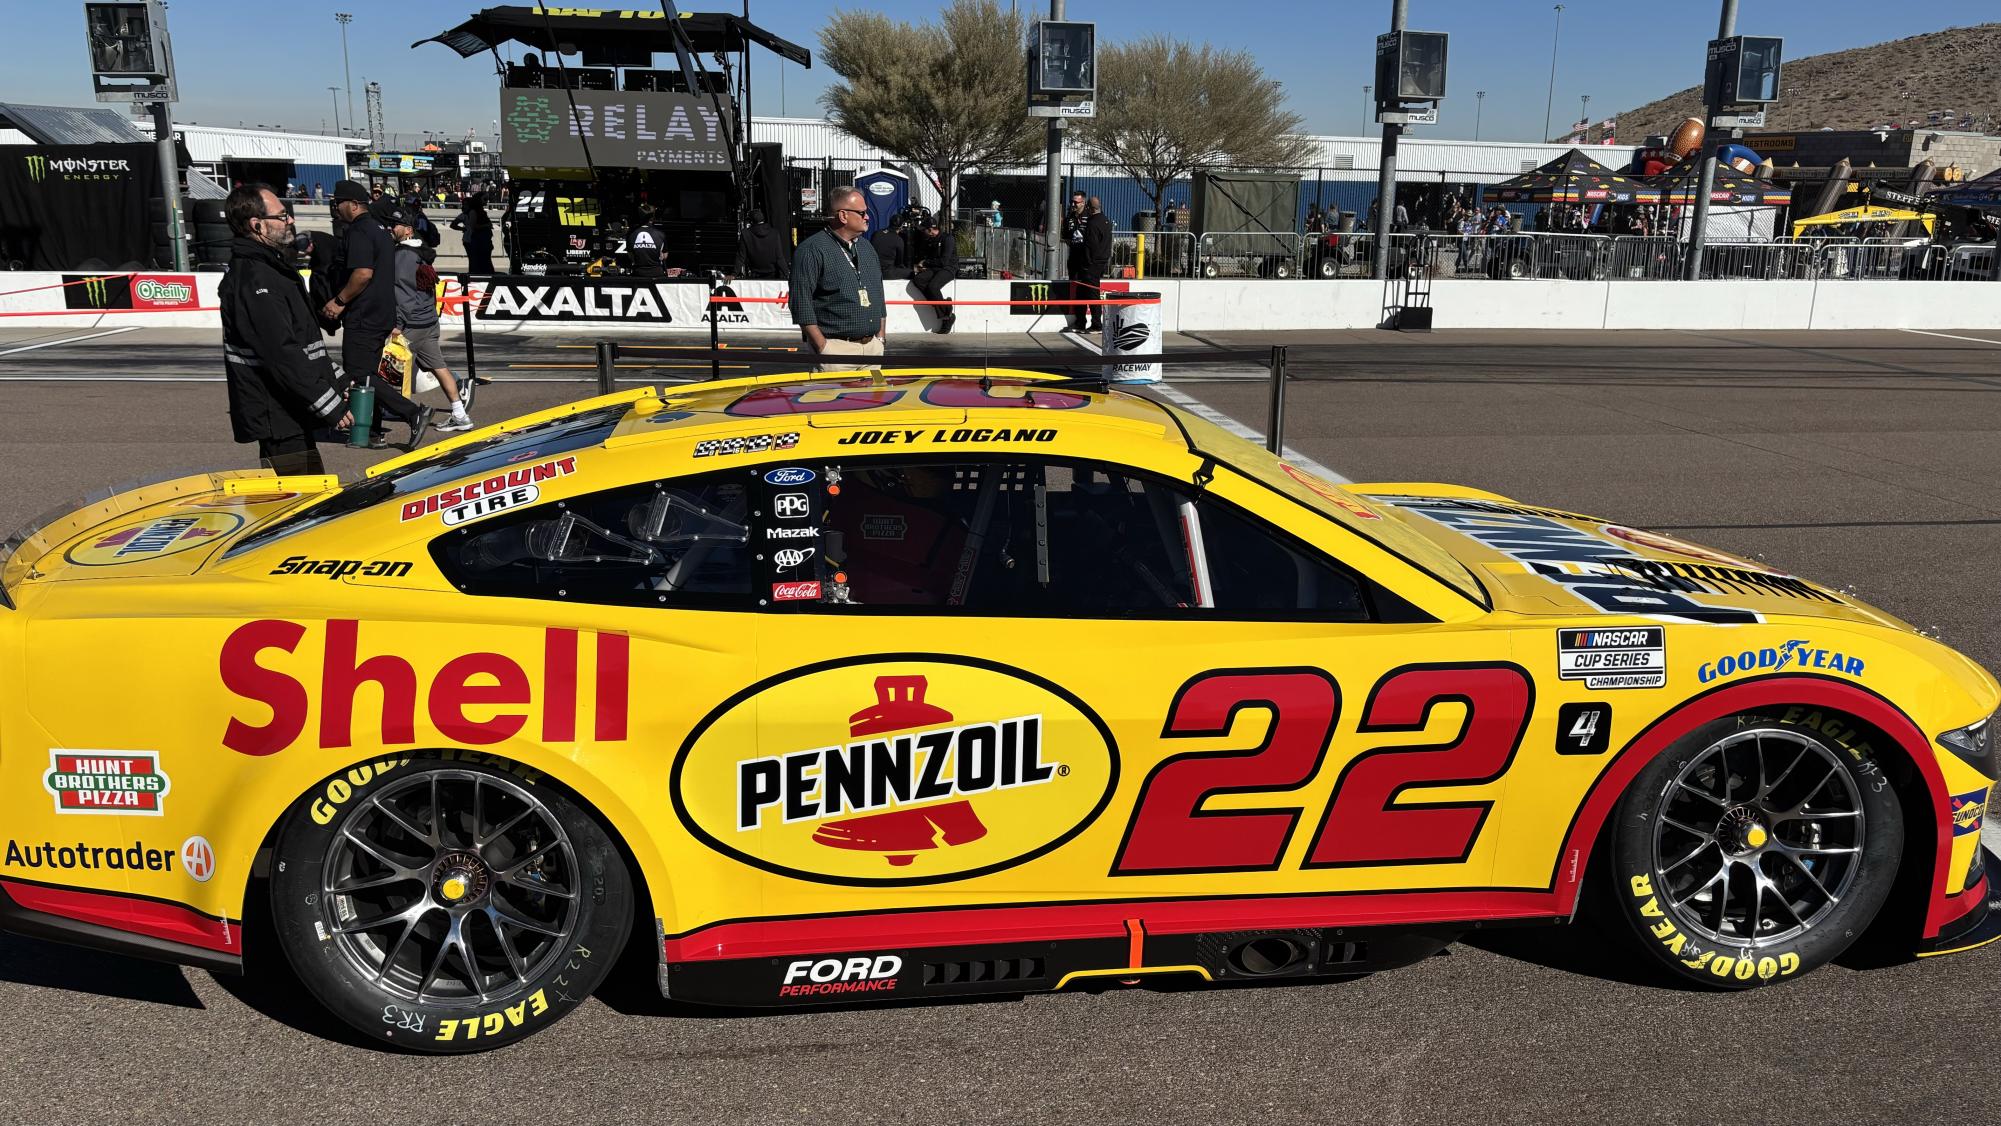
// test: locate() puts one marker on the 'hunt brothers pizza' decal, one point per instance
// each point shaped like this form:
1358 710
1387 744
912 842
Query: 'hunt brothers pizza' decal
894 770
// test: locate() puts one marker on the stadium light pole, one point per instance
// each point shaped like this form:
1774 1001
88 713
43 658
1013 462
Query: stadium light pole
335 91
1479 104
1366 91
1554 38
1584 114
343 19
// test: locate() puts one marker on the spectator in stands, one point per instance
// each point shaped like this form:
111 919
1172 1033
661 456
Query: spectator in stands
937 258
417 319
837 297
476 229
763 249
890 250
283 387
365 306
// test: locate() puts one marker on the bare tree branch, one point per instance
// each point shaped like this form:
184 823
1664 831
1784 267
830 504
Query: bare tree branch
1167 108
946 96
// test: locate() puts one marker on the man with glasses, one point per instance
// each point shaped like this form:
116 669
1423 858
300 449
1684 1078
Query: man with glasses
283 387
837 287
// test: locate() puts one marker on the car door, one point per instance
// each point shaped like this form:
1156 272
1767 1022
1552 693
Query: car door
1022 678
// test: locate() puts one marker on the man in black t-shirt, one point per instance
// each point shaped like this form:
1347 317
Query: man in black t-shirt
366 308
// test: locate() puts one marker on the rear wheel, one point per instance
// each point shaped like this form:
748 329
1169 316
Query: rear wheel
448 907
1755 849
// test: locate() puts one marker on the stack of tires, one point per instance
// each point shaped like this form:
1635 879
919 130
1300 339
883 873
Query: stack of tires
205 220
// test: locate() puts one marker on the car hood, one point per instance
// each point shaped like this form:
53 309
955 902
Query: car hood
169 527
1536 560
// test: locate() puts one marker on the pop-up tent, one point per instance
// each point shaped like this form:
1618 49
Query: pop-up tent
1571 178
1678 186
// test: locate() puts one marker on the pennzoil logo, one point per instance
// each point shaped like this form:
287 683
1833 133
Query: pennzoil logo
905 770
153 539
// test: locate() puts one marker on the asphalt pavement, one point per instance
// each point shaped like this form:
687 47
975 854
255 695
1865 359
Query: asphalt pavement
1869 461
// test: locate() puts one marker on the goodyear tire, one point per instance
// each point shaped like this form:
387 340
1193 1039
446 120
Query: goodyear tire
1755 849
447 905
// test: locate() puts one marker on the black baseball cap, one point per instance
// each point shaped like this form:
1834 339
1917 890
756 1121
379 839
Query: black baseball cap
389 212
348 189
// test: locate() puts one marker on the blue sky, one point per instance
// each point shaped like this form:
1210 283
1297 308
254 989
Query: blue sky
271 64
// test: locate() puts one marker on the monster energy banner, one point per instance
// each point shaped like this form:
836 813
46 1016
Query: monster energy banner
63 206
543 134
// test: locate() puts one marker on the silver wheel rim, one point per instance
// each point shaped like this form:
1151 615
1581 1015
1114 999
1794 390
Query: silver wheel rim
451 887
1758 838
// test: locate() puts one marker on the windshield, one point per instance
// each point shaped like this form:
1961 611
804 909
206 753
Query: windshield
540 440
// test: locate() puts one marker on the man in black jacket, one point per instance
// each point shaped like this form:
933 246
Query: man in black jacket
890 249
763 249
1088 270
366 308
937 264
282 384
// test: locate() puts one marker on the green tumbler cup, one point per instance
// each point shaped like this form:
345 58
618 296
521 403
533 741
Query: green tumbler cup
361 404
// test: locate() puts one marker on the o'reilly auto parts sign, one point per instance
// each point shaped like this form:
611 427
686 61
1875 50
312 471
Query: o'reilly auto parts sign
592 299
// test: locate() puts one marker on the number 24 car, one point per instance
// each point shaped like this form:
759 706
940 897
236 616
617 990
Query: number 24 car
909 685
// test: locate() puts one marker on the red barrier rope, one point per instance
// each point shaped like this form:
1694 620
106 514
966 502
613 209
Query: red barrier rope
79 281
724 300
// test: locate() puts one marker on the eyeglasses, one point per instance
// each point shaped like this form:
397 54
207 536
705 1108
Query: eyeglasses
281 217
850 211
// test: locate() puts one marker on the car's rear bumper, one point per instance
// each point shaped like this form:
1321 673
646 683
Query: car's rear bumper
1978 926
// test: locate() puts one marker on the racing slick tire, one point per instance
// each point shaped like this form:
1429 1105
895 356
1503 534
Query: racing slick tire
1753 850
447 906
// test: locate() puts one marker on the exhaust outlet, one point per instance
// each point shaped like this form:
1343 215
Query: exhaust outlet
1267 956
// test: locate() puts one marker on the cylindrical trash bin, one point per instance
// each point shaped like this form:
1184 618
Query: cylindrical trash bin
1144 220
1132 328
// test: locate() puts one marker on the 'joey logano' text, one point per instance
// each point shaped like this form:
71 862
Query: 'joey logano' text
480 682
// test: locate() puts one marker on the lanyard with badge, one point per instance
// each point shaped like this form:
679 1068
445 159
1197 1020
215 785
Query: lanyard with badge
855 261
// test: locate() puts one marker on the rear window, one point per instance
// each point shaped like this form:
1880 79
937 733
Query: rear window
539 441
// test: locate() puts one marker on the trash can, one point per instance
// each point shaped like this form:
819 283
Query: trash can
1133 329
1144 220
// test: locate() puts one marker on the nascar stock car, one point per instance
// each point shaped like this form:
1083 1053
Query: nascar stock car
902 685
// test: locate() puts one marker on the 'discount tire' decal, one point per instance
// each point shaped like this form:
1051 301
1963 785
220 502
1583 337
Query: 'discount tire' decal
894 770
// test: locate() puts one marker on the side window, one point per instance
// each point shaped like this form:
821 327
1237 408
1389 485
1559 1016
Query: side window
1062 539
682 543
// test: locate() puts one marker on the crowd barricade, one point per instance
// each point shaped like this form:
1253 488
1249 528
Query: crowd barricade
1152 254
1250 254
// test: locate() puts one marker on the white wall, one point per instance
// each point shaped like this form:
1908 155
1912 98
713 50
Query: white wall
33 299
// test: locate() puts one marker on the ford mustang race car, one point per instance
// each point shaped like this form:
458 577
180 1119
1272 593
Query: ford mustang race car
903 685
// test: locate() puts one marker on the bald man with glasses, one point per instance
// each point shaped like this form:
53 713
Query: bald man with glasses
837 288
283 387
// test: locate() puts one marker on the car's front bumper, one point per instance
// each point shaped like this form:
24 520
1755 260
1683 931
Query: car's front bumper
1977 927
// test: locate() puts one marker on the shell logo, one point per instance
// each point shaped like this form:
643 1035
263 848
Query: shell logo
894 770
151 539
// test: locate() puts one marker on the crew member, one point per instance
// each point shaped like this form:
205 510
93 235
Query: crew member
365 306
1074 265
837 287
283 387
1097 258
763 250
889 249
648 245
937 265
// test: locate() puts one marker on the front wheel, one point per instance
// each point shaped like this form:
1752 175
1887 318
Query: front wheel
1754 849
448 907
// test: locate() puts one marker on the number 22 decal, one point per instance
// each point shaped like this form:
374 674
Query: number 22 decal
1364 822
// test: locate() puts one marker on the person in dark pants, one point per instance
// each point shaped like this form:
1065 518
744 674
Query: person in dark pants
937 265
476 229
1085 275
1073 260
366 309
283 387
648 245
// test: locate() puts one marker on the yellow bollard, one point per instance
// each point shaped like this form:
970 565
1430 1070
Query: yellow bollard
1141 270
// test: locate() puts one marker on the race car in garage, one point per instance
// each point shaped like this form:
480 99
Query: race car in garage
904 685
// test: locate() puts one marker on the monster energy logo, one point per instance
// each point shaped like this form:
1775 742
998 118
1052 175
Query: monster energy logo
97 291
531 118
1038 292
38 167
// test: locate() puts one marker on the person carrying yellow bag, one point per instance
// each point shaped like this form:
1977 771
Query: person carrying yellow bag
417 320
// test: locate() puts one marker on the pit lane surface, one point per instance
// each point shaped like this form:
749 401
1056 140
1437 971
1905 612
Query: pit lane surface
1869 461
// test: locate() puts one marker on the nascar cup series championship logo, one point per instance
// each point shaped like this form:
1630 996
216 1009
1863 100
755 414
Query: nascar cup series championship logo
880 772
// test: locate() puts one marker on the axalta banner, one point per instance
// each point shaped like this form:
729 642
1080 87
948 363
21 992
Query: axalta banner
654 302
67 206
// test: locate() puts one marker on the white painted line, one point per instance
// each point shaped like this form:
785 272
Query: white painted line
1950 336
1210 414
69 340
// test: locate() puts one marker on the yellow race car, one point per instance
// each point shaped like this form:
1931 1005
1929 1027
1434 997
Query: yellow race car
902 685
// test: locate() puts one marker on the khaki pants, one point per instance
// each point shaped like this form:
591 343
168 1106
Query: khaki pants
837 347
